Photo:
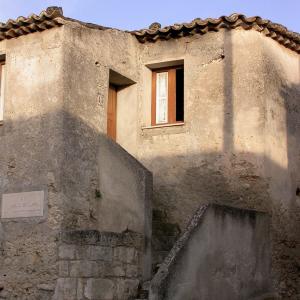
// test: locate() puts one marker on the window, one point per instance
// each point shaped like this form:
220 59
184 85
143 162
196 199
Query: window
2 80
167 96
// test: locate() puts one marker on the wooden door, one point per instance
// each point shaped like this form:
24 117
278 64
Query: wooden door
112 112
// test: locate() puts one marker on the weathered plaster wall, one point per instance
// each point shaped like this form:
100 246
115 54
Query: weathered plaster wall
86 90
126 196
226 257
124 189
238 146
235 147
282 138
222 138
127 129
55 116
31 155
106 188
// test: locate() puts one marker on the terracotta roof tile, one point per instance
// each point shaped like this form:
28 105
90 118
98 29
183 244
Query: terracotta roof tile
49 18
275 31
53 17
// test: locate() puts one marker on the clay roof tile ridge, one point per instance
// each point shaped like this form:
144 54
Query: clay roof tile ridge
275 31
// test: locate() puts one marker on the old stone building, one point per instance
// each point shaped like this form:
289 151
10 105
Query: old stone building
195 194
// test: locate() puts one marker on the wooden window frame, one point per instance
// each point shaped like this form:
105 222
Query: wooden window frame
2 87
171 95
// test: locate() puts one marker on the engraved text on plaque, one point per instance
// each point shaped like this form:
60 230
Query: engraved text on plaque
22 205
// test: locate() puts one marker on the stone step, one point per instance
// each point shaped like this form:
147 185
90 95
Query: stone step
143 295
164 235
143 292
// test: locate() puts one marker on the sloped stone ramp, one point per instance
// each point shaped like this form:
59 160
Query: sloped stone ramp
223 254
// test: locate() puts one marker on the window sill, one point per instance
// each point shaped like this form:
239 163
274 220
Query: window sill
164 125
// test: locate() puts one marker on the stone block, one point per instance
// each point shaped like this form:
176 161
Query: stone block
46 287
65 289
80 288
131 271
83 268
126 255
100 253
126 288
99 289
82 252
66 252
102 268
63 268
115 269
108 239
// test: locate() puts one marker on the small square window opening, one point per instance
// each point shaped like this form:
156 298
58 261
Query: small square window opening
167 96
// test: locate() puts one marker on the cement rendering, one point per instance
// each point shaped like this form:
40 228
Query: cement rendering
238 146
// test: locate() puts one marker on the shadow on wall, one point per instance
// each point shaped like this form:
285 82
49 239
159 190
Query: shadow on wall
72 193
120 185
60 150
215 177
243 179
68 156
72 158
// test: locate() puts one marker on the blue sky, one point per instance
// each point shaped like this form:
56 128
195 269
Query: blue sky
137 14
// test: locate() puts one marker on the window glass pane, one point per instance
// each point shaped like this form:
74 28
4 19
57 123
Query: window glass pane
179 95
2 79
162 97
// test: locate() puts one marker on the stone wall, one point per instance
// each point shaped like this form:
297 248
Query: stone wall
105 187
282 144
55 101
239 144
31 155
85 82
99 265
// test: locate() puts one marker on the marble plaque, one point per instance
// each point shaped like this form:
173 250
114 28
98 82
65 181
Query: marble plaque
23 205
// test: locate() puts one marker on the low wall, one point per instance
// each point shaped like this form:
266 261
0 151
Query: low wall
225 254
125 186
126 195
99 265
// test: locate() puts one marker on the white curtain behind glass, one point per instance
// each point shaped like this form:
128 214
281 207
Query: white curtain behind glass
162 97
2 91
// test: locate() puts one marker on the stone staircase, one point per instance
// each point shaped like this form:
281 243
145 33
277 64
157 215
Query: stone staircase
213 233
143 292
164 236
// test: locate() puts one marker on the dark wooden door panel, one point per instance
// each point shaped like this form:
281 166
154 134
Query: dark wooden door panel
112 113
